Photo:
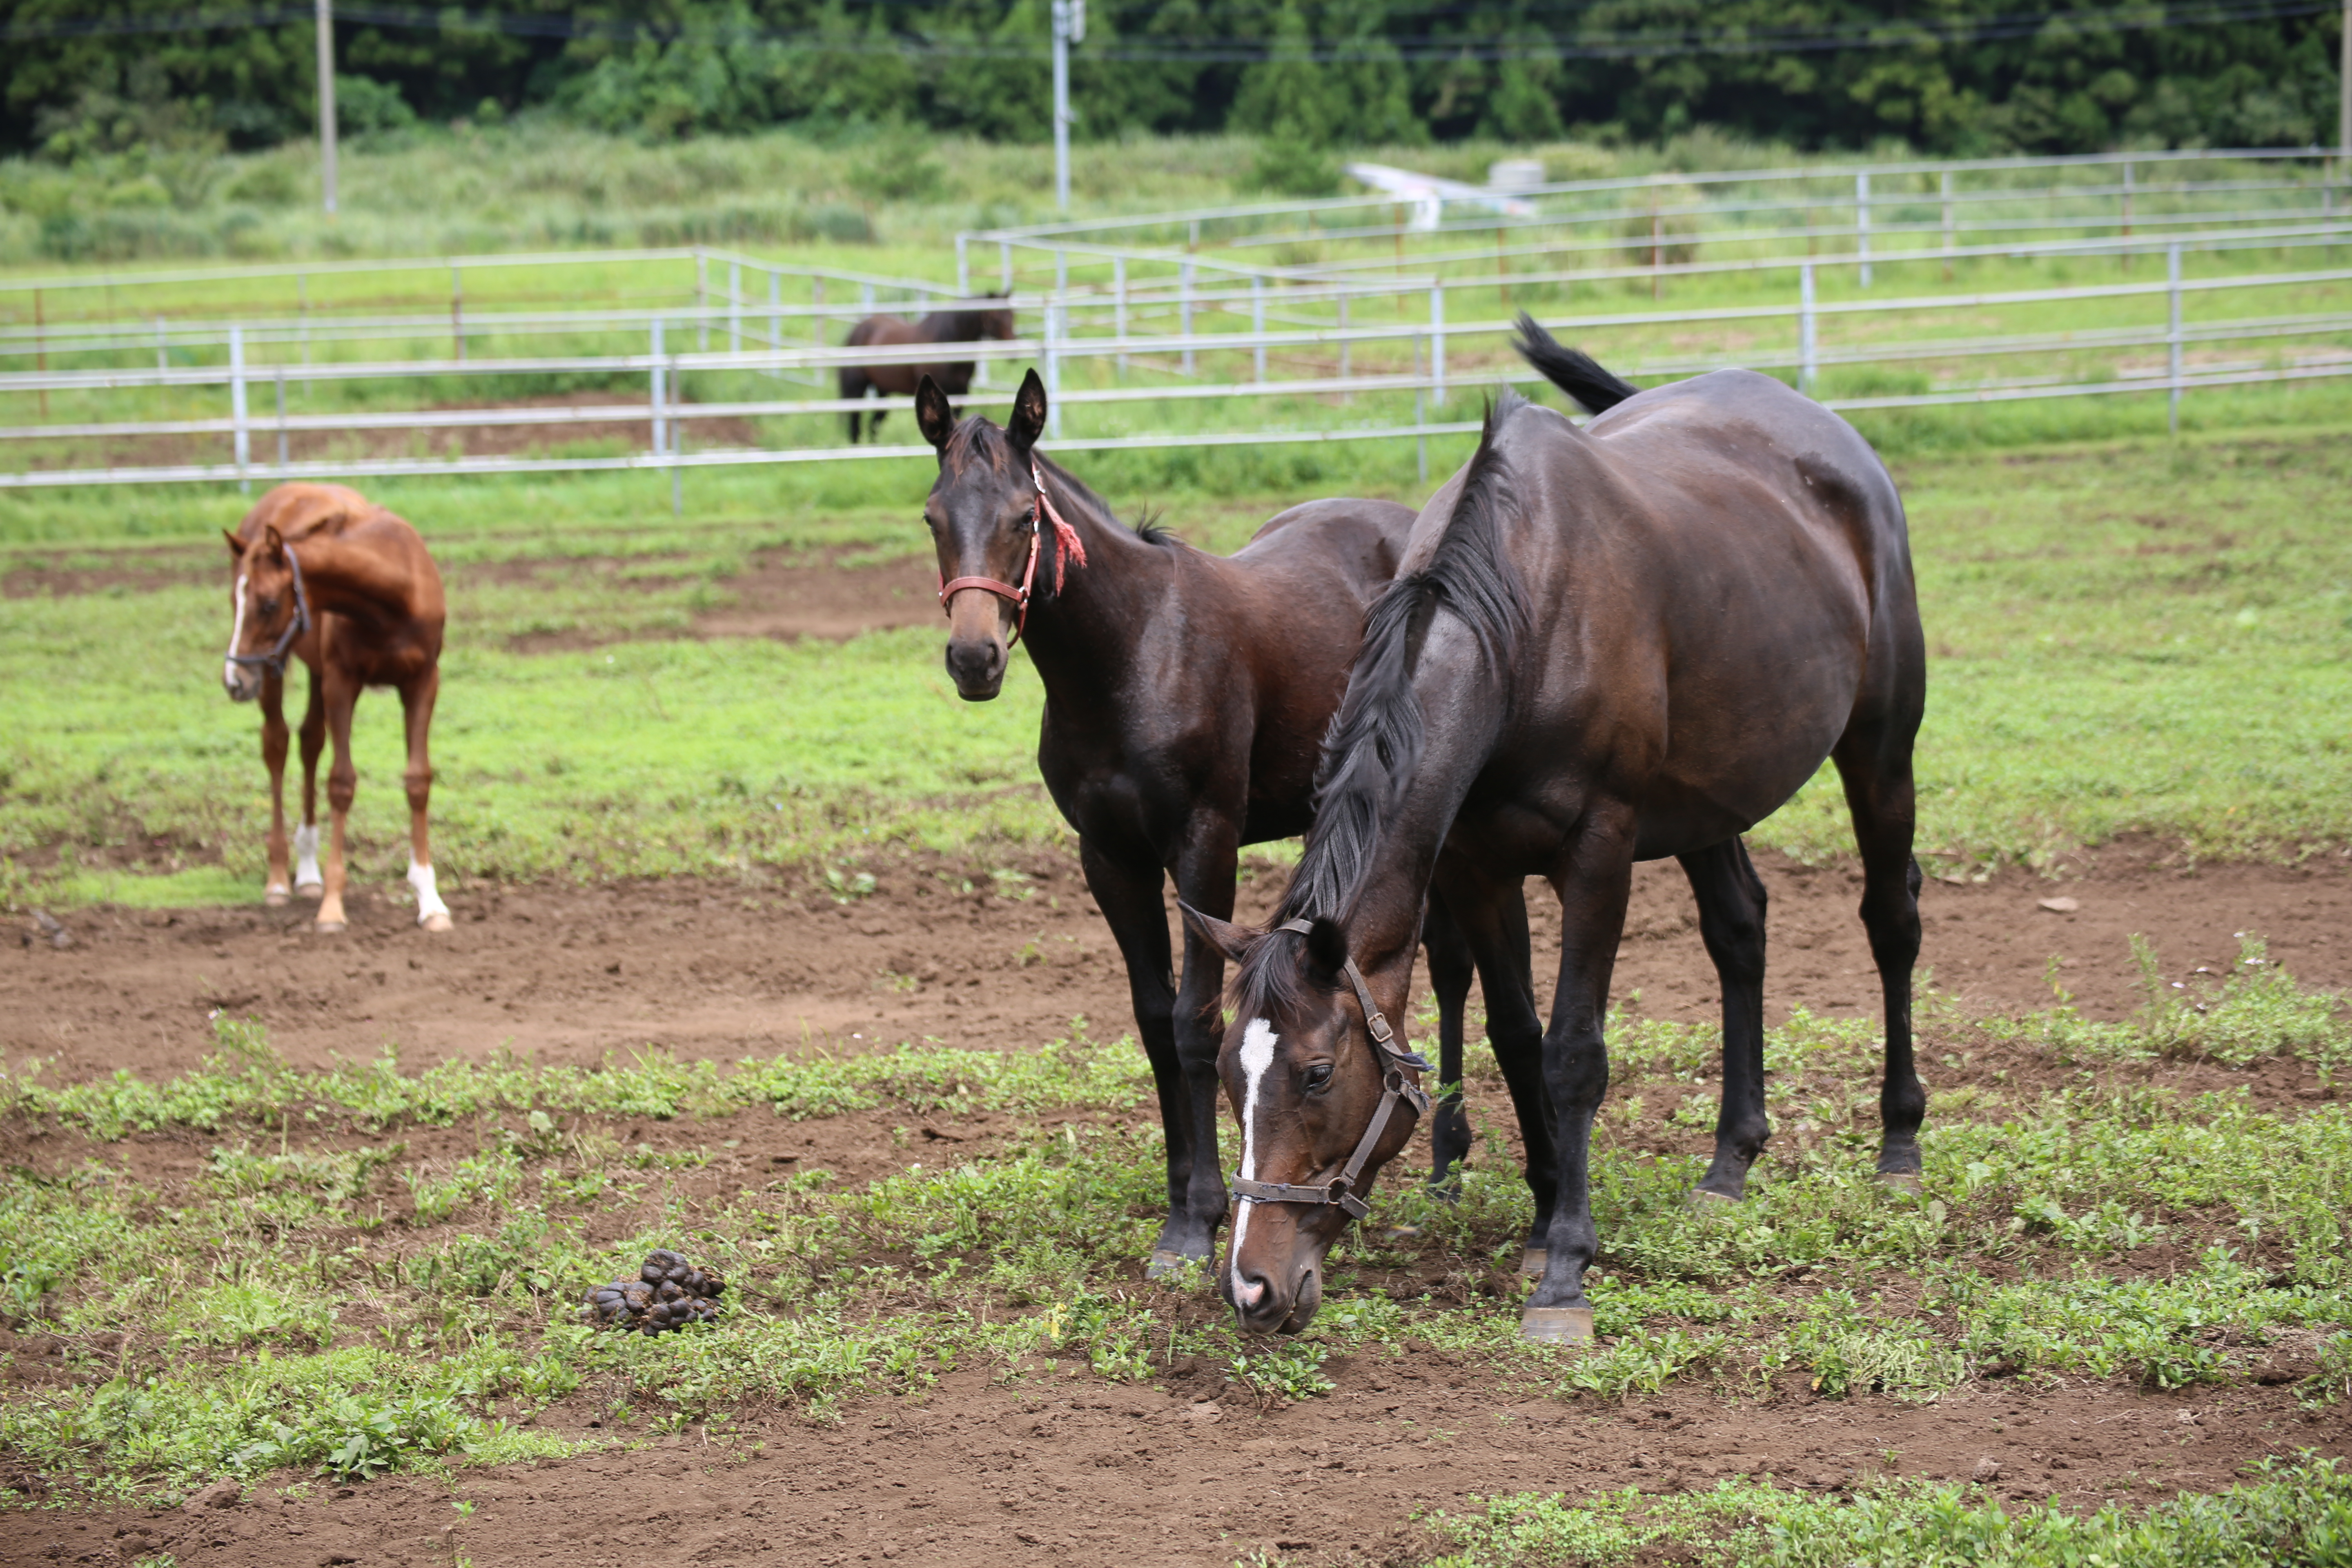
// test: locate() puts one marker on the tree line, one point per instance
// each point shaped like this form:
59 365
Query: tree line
1951 76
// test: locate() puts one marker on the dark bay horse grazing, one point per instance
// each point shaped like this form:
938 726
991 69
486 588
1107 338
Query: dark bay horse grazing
1186 696
297 511
1604 645
962 325
359 580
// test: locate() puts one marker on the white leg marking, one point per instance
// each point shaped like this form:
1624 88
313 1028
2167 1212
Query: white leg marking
235 636
306 856
428 902
1258 1056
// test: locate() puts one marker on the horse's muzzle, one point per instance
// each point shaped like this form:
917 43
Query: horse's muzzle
1262 1307
242 684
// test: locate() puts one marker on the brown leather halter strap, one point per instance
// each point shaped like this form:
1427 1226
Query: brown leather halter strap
1068 547
1395 1089
274 661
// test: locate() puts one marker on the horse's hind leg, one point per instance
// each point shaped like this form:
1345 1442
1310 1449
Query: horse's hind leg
1450 971
1874 762
1731 922
280 889
308 883
416 706
342 786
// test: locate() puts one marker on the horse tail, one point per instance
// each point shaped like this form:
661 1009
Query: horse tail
1573 370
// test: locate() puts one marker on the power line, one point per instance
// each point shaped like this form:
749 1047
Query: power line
1591 44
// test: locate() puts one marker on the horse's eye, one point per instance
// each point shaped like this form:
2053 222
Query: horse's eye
1318 1076
268 606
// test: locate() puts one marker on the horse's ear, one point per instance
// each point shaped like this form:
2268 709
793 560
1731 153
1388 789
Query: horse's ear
1028 413
932 415
236 545
1327 947
1233 941
273 543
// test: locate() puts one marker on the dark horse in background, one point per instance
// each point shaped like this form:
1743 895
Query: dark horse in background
965 324
1604 645
1186 696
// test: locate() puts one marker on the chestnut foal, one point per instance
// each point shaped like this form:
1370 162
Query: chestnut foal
296 511
323 562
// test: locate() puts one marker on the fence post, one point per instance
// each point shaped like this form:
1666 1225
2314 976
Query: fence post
1437 343
1061 271
735 306
1419 412
1257 325
302 310
963 265
702 297
281 421
1948 231
661 434
163 346
1862 223
1006 248
776 320
458 312
1053 329
1184 310
236 405
1344 344
1806 358
1118 305
865 296
677 434
2172 334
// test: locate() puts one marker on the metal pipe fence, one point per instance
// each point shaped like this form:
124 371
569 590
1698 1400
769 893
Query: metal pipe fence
1356 361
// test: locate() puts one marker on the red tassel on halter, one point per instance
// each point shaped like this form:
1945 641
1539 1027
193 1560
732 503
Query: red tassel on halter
1063 534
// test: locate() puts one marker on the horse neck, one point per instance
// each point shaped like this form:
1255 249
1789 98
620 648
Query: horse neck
358 577
1080 638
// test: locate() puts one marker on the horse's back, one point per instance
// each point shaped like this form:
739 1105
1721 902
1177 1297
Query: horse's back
1364 539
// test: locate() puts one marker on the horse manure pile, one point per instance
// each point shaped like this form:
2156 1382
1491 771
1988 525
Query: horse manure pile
669 1292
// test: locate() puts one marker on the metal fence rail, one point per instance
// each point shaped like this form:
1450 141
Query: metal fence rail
1356 360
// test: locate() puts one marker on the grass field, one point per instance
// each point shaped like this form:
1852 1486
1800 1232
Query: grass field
2133 638
310 1279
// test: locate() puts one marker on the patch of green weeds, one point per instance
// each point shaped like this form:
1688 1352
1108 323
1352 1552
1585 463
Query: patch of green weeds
2290 1515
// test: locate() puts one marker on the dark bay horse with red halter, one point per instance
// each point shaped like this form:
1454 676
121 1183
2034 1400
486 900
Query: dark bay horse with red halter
357 580
964 324
1604 645
297 511
1185 695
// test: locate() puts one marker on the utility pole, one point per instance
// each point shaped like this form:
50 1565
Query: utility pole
1070 27
327 102
2344 95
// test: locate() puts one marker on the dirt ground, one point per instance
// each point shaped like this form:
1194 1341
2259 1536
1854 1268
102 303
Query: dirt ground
724 970
1051 1462
1051 1465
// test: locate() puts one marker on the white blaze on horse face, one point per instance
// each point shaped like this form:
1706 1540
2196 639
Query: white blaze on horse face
1258 1056
235 636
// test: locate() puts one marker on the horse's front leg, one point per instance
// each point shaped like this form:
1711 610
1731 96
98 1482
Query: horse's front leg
280 889
1450 969
1128 893
1595 879
416 700
1205 869
1491 913
308 882
342 786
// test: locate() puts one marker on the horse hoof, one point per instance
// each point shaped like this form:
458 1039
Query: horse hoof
1904 1182
331 927
277 898
1166 1265
438 922
1534 1260
309 889
1703 1201
1557 1325
1397 1233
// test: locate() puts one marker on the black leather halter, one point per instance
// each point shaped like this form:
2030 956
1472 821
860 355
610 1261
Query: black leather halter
1395 1088
274 661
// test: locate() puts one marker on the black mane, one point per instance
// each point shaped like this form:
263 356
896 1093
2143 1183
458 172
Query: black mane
1375 739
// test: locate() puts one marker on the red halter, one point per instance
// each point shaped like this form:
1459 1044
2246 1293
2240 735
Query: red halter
1068 547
